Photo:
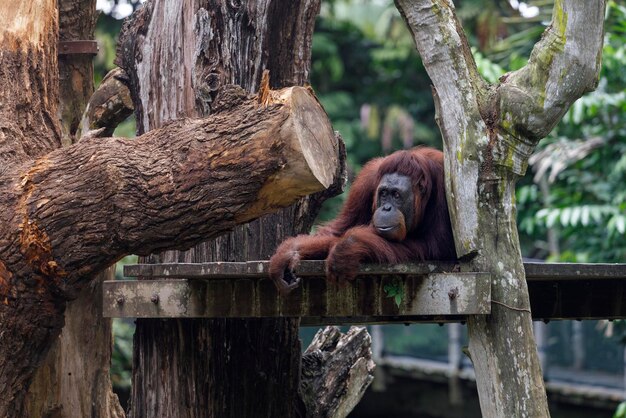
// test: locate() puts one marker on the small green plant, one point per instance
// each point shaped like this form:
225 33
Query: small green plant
621 411
395 290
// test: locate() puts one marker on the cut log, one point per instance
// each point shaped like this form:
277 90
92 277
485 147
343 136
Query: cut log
336 370
311 143
74 211
191 180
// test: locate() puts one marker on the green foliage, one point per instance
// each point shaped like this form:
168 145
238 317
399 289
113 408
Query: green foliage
584 160
620 412
107 30
487 68
395 290
122 357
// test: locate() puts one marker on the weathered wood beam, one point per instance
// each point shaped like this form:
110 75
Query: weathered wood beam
250 269
433 295
243 290
221 270
557 291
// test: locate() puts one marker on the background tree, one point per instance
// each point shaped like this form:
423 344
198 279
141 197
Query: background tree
74 380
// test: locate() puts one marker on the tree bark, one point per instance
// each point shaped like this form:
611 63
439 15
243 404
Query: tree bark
206 174
67 214
109 106
337 369
74 380
240 367
29 77
489 133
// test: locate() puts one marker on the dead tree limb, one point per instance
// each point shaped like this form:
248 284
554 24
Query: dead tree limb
336 370
108 106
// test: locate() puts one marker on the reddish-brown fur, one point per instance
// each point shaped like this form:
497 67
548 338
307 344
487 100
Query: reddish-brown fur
350 239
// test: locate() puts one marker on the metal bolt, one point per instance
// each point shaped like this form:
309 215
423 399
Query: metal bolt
154 299
453 293
120 300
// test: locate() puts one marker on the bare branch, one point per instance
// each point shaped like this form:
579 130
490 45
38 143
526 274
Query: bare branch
445 53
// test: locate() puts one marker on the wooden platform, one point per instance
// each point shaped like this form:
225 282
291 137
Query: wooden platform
432 292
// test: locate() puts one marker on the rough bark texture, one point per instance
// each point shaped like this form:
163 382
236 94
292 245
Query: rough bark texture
336 370
28 115
73 212
29 118
77 22
194 178
489 133
74 380
67 214
177 54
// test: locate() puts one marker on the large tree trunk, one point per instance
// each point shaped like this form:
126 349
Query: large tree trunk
489 133
218 368
75 379
68 213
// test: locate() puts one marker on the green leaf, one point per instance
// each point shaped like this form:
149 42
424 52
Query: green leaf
576 212
398 300
552 217
565 216
596 214
620 224
585 215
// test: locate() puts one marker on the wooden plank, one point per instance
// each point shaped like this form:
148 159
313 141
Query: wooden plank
307 268
426 296
557 291
576 290
574 271
222 270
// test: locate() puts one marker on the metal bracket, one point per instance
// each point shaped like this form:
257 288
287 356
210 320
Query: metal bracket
78 47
